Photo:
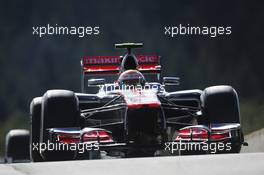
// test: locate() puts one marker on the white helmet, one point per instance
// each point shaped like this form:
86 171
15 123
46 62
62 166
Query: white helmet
131 77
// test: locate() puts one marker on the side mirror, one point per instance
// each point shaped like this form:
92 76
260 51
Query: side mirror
96 82
171 80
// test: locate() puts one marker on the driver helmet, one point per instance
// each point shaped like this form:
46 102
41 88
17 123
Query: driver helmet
131 77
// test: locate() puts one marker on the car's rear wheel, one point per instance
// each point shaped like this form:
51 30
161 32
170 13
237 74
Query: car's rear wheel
17 145
220 105
60 109
35 115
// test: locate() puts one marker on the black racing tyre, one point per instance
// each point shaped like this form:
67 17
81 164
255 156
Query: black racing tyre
60 109
35 115
220 104
17 145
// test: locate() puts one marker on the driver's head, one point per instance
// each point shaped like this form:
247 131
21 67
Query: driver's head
131 77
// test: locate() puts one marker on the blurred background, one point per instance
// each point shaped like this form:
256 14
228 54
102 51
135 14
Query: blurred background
30 65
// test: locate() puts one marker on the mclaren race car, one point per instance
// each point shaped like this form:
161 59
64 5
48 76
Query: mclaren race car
124 110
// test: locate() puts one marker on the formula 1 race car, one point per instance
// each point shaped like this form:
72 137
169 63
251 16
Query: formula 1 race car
124 110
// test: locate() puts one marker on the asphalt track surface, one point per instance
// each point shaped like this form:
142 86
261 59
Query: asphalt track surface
242 164
255 142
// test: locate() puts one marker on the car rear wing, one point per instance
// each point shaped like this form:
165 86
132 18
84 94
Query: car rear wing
111 64
109 67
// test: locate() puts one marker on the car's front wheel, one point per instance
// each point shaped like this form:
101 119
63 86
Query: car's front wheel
220 104
60 109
